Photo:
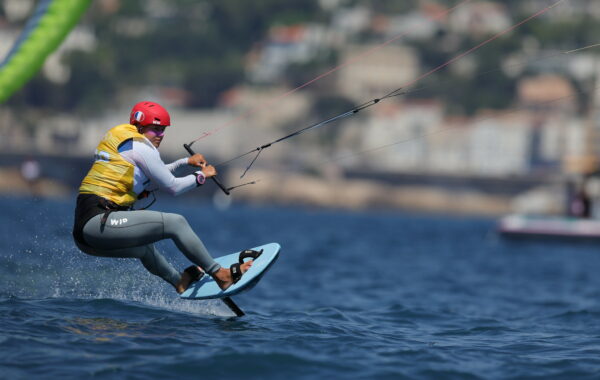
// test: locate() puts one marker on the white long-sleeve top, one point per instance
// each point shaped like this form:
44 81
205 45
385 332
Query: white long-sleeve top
150 172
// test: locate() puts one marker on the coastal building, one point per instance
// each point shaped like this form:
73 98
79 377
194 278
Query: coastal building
351 20
394 137
499 146
265 109
449 147
376 73
284 46
17 10
480 18
547 92
414 25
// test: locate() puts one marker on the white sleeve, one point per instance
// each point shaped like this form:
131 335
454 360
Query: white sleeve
147 158
178 166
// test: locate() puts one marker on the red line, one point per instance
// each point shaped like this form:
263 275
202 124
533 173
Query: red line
269 103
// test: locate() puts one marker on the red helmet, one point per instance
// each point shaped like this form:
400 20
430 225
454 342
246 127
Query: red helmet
149 113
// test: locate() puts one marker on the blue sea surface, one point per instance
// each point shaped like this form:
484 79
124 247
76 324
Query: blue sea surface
371 295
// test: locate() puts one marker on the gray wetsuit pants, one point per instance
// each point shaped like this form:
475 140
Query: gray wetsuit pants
131 234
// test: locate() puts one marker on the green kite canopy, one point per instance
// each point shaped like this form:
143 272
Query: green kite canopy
46 29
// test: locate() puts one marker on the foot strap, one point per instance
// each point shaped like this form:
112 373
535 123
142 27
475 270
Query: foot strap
248 253
236 272
236 269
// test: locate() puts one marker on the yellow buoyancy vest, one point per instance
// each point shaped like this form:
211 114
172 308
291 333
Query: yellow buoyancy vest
111 177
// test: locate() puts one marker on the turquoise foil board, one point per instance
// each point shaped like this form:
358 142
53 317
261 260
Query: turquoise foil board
207 288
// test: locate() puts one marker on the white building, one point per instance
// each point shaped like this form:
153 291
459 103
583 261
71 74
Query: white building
286 45
500 146
449 147
372 72
395 137
478 18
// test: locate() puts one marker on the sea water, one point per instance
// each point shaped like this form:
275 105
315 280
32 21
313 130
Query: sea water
353 295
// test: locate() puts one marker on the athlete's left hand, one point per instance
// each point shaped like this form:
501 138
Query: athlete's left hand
209 171
197 160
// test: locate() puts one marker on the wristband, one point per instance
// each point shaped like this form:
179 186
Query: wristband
200 178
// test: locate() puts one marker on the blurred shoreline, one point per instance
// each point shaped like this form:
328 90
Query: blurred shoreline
60 177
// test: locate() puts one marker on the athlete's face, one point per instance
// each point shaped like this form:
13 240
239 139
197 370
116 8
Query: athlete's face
154 133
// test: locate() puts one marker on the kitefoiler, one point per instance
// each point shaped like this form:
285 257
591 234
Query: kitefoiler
127 167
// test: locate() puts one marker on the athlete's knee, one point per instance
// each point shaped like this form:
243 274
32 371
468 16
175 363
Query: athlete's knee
175 223
176 220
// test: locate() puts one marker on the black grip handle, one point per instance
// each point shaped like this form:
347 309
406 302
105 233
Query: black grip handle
214 178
